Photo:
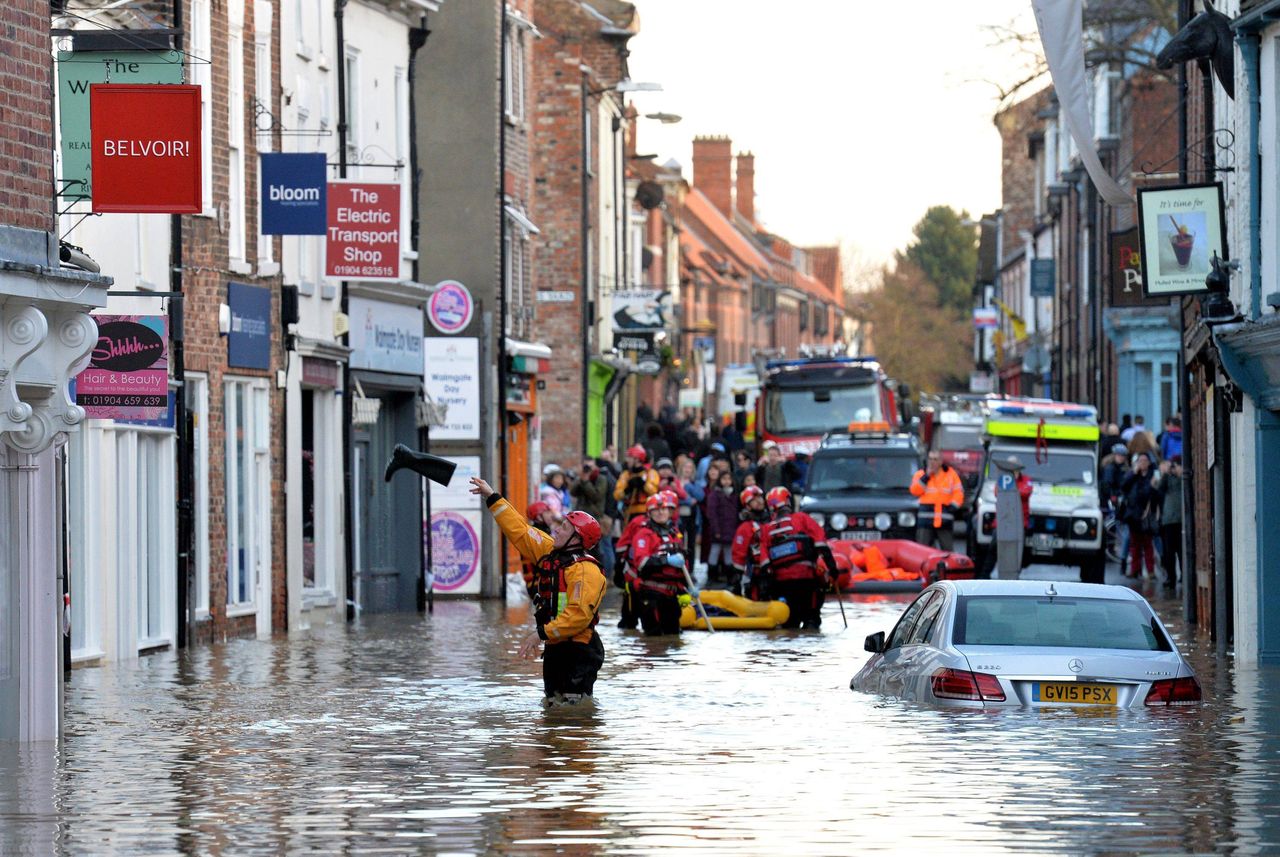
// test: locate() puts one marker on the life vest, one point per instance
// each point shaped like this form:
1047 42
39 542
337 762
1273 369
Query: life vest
528 569
786 550
662 579
549 593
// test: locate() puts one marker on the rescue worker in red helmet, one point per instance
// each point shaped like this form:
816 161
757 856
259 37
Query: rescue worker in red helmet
790 545
542 517
657 567
746 545
637 483
629 618
569 586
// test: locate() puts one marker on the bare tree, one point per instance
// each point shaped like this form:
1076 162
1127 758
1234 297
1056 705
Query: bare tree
1116 31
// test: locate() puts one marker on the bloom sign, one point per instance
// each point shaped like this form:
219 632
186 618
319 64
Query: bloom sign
293 193
128 372
363 231
146 148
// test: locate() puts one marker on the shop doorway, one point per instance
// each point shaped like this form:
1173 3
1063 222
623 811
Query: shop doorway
387 553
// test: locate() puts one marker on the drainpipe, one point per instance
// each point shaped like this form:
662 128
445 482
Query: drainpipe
182 428
417 39
1249 48
348 508
1189 604
585 257
501 413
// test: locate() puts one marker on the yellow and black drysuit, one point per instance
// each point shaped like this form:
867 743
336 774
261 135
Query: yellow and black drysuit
568 587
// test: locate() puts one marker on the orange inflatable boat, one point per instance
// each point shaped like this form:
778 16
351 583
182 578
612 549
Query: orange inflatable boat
895 565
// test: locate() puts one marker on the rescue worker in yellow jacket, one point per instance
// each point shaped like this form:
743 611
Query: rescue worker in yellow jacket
941 494
637 483
568 586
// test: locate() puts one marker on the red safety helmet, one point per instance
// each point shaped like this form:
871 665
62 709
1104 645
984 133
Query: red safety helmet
654 502
638 452
750 493
777 498
670 499
536 509
587 528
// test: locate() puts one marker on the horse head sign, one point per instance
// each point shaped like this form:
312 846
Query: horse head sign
1207 36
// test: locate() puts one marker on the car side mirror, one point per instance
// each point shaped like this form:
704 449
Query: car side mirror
874 642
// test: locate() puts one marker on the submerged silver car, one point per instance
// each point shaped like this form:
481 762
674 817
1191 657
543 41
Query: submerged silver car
1028 643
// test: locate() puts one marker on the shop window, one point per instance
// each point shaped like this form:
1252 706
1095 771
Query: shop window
197 393
248 493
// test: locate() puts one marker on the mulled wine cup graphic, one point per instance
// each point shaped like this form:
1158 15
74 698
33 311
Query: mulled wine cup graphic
1183 243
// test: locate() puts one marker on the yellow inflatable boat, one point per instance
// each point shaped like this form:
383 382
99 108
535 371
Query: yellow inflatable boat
729 612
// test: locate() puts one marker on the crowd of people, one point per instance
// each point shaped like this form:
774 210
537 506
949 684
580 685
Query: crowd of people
1141 485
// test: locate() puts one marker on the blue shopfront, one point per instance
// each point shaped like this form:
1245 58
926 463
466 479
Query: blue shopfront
386 387
1144 333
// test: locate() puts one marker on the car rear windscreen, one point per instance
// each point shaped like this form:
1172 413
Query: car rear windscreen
1081 623
952 436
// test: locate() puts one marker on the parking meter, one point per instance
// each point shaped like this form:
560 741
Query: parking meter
1009 531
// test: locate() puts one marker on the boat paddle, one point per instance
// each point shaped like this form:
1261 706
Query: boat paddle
835 582
684 567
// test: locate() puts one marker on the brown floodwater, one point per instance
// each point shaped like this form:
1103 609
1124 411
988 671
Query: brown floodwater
426 734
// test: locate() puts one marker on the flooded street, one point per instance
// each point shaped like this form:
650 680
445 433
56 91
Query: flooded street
408 733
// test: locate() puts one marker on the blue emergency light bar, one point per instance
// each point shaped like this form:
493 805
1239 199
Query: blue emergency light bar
1031 410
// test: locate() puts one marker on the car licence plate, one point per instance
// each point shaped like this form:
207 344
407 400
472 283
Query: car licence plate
1074 693
859 536
1045 543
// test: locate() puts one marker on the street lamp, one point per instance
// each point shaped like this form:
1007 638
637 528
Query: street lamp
664 118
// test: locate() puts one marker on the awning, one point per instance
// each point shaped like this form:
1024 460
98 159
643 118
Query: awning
519 217
516 348
1250 352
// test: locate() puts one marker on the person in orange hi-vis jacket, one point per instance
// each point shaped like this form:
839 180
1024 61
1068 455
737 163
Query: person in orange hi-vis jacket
941 494
568 588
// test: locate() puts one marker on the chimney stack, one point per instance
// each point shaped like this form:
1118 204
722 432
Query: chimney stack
713 171
747 186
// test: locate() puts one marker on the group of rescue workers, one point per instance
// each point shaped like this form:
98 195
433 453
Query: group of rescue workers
778 553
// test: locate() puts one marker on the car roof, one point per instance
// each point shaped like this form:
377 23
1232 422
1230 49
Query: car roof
1040 588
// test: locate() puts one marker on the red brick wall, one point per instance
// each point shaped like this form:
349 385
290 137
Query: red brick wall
570 39
1018 169
713 171
746 183
26 115
207 271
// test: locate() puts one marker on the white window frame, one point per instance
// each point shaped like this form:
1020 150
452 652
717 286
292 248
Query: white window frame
400 91
513 93
197 384
263 90
258 516
152 461
236 245
328 504
201 74
86 565
354 136
300 22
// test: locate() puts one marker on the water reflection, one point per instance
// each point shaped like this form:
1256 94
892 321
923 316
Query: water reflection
409 733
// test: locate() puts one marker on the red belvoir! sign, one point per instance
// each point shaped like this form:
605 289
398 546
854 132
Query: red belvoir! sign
363 231
146 148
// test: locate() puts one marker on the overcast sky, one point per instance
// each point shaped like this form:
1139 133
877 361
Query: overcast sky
861 113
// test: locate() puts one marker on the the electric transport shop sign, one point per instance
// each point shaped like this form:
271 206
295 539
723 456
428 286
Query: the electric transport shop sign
363 232
293 191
